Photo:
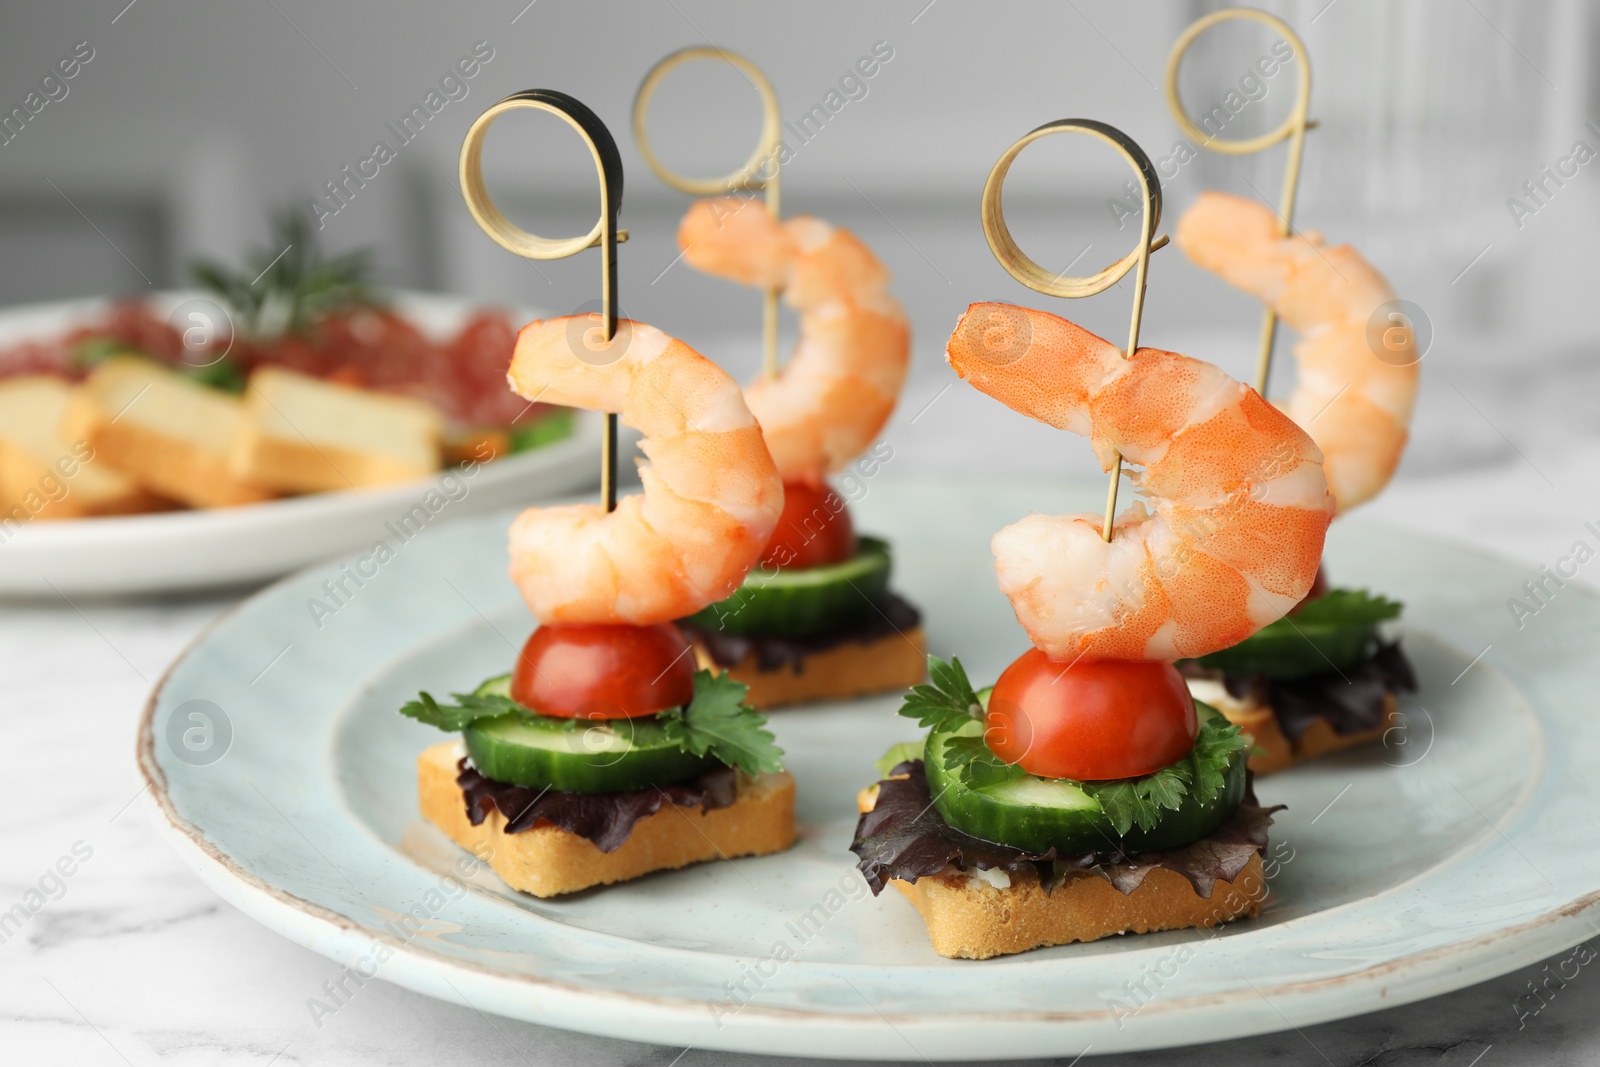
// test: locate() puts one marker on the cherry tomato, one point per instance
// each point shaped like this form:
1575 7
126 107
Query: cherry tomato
813 531
604 671
1319 585
1093 720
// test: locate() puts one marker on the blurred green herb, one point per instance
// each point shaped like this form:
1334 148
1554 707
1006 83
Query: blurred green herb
224 374
547 428
289 286
91 350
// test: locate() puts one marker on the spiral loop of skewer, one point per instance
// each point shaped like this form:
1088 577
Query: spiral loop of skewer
1293 129
759 173
603 235
1023 268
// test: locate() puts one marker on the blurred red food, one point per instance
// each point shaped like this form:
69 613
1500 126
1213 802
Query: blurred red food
369 347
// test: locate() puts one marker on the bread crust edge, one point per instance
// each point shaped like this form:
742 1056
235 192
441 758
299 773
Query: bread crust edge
969 918
894 661
1319 739
547 861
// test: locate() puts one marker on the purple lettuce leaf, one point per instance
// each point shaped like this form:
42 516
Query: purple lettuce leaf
904 837
606 819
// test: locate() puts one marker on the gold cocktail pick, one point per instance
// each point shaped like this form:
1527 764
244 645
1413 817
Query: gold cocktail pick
759 173
1292 128
1031 274
604 234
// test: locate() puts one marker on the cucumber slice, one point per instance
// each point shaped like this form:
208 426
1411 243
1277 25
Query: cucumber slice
803 603
1334 632
576 755
498 686
1286 649
903 752
1037 814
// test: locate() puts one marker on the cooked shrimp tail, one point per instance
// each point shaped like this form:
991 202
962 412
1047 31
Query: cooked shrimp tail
1229 530
711 493
839 388
1358 379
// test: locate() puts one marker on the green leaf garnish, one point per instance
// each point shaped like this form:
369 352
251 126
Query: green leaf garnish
1347 607
976 763
468 709
904 752
1140 800
1213 751
718 723
948 703
1200 775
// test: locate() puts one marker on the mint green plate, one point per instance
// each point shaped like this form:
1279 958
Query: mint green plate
1459 850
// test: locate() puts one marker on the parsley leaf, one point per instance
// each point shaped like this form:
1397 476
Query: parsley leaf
1200 775
946 705
1140 800
468 708
968 756
718 723
1214 750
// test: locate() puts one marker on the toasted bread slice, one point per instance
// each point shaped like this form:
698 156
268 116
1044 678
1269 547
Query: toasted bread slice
973 917
855 668
969 918
547 861
1278 753
48 474
306 435
165 432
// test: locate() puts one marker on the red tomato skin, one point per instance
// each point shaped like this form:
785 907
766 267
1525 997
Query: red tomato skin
604 671
1093 720
814 529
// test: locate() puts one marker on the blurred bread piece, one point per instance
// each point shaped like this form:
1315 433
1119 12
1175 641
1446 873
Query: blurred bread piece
51 475
303 434
165 432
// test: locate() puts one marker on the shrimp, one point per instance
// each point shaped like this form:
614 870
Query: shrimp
1353 399
838 390
1230 530
711 493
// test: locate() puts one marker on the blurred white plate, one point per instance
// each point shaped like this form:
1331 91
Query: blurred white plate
180 550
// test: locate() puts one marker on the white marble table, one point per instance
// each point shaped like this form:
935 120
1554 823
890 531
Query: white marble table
134 961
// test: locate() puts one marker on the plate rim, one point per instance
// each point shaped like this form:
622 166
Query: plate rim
1399 981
